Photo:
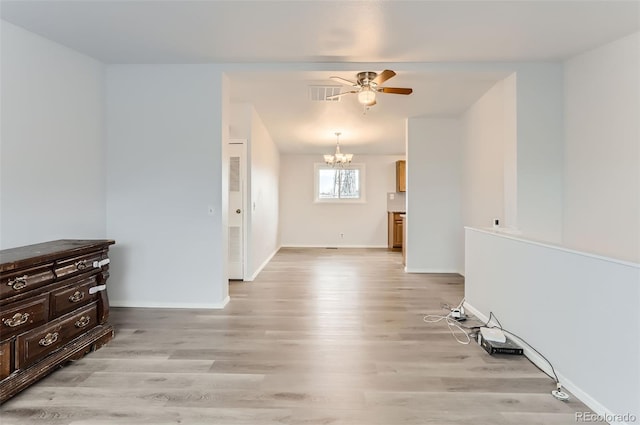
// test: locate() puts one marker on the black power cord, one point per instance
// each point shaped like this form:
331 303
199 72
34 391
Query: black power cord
557 393
474 330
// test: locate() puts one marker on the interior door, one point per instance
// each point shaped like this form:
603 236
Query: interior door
237 154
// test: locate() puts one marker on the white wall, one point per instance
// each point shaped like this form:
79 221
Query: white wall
579 310
165 127
264 203
540 152
240 120
511 160
510 151
263 186
52 171
305 223
602 152
488 156
434 230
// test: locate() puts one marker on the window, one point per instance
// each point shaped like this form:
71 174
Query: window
339 184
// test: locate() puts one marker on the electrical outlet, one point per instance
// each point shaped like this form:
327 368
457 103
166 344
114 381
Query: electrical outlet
341 235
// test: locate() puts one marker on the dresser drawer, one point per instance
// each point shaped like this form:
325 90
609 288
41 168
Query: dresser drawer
25 280
70 298
5 359
39 342
21 316
81 264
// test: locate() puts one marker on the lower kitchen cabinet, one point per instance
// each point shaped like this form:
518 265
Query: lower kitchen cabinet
395 234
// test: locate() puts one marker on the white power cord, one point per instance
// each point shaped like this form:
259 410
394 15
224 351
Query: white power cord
451 322
457 313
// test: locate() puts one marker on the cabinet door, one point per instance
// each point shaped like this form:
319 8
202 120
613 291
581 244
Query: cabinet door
397 233
401 176
390 229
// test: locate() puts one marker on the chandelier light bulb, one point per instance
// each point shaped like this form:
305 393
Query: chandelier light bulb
338 159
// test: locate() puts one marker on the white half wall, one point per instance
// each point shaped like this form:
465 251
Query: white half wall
579 310
434 226
602 152
305 223
52 169
165 131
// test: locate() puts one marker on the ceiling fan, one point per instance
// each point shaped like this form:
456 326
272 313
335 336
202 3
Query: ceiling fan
367 84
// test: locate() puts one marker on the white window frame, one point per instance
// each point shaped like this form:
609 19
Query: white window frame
361 175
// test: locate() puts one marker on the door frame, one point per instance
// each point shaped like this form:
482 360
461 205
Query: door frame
244 173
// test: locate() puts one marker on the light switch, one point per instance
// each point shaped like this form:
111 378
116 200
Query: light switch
211 210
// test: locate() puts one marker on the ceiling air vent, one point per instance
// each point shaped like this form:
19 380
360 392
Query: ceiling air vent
320 93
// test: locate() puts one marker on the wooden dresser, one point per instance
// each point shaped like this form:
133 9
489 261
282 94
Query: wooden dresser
53 308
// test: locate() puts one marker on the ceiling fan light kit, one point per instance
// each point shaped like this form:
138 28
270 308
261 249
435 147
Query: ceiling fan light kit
367 97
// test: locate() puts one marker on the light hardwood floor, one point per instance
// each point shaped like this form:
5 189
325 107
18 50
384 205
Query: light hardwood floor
321 337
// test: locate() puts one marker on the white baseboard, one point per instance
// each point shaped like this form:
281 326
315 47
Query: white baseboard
262 266
155 304
443 271
536 359
334 246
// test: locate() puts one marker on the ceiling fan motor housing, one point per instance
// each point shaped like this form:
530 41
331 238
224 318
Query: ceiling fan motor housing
365 78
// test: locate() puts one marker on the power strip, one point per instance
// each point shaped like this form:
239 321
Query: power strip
458 314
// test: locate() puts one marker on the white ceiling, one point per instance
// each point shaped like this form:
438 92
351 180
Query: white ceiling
303 126
372 33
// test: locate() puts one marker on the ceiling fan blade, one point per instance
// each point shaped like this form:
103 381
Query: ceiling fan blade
343 81
335 96
395 90
383 76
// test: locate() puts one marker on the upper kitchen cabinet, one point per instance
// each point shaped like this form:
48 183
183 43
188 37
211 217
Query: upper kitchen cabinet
401 176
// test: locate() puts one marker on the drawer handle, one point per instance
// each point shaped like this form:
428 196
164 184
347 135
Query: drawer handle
49 339
84 321
18 283
76 297
17 320
81 265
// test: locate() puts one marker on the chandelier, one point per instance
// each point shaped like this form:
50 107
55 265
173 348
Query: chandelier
338 159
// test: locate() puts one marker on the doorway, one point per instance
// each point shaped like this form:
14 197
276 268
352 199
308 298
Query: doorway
237 209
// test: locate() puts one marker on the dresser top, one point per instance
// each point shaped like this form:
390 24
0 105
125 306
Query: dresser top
23 256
